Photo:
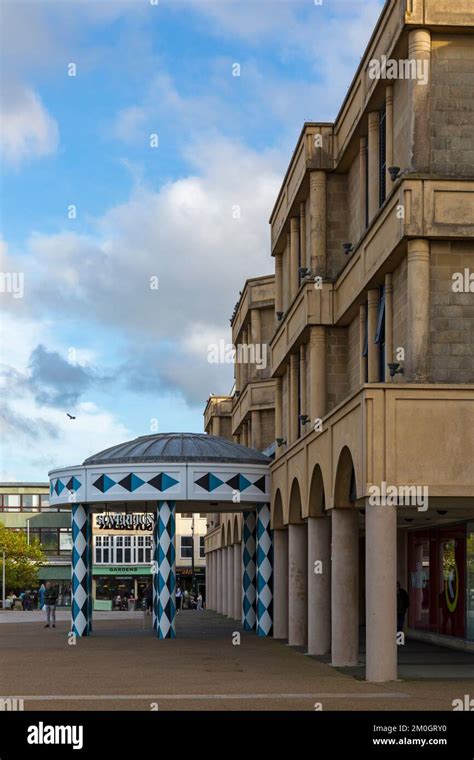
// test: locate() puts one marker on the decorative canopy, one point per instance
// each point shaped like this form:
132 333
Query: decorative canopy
191 467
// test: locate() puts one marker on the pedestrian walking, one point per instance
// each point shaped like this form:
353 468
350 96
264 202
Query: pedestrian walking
402 606
199 602
149 599
179 599
50 601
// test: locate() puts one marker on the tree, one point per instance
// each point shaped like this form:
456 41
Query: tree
22 560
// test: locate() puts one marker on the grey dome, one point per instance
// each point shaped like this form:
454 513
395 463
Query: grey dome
178 447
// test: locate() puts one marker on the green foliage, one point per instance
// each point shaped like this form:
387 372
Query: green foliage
22 560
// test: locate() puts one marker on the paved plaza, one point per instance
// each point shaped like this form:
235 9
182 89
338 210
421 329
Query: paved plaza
123 666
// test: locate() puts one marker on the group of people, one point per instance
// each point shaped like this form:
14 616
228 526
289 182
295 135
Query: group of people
192 601
46 597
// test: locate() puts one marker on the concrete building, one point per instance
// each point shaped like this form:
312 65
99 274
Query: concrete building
26 507
372 356
247 416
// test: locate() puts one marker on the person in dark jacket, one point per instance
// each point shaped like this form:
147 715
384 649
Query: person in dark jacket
402 606
50 602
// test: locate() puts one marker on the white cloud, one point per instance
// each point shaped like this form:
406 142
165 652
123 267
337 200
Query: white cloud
27 130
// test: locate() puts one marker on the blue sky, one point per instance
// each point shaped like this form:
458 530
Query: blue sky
89 336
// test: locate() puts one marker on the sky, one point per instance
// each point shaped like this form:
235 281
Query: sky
142 147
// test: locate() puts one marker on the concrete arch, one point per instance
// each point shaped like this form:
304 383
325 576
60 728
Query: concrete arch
345 485
277 514
317 494
295 511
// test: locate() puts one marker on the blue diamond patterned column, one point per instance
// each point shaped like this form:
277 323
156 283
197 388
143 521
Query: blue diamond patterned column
81 571
248 571
164 578
264 572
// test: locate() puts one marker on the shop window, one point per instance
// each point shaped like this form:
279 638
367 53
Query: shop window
148 549
186 547
470 580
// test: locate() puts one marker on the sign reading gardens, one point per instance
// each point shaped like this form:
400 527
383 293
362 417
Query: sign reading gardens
125 522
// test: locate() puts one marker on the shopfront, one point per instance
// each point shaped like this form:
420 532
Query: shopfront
116 582
441 580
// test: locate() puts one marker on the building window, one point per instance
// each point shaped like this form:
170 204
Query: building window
186 547
11 502
380 335
49 540
65 541
383 155
30 502
202 552
365 350
118 549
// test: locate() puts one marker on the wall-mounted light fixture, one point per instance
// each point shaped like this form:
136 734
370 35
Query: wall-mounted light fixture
280 315
303 418
395 172
347 248
281 442
395 369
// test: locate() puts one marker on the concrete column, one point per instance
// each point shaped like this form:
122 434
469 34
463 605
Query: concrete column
230 581
237 613
294 254
362 359
216 426
418 310
293 397
256 429
208 580
214 580
419 51
362 183
318 221
256 328
303 257
317 362
345 587
278 410
244 367
280 584
373 349
224 580
304 404
297 585
374 163
278 284
219 581
287 275
388 136
381 592
388 325
319 585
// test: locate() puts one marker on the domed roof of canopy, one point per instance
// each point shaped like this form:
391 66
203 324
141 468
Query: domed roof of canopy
178 447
